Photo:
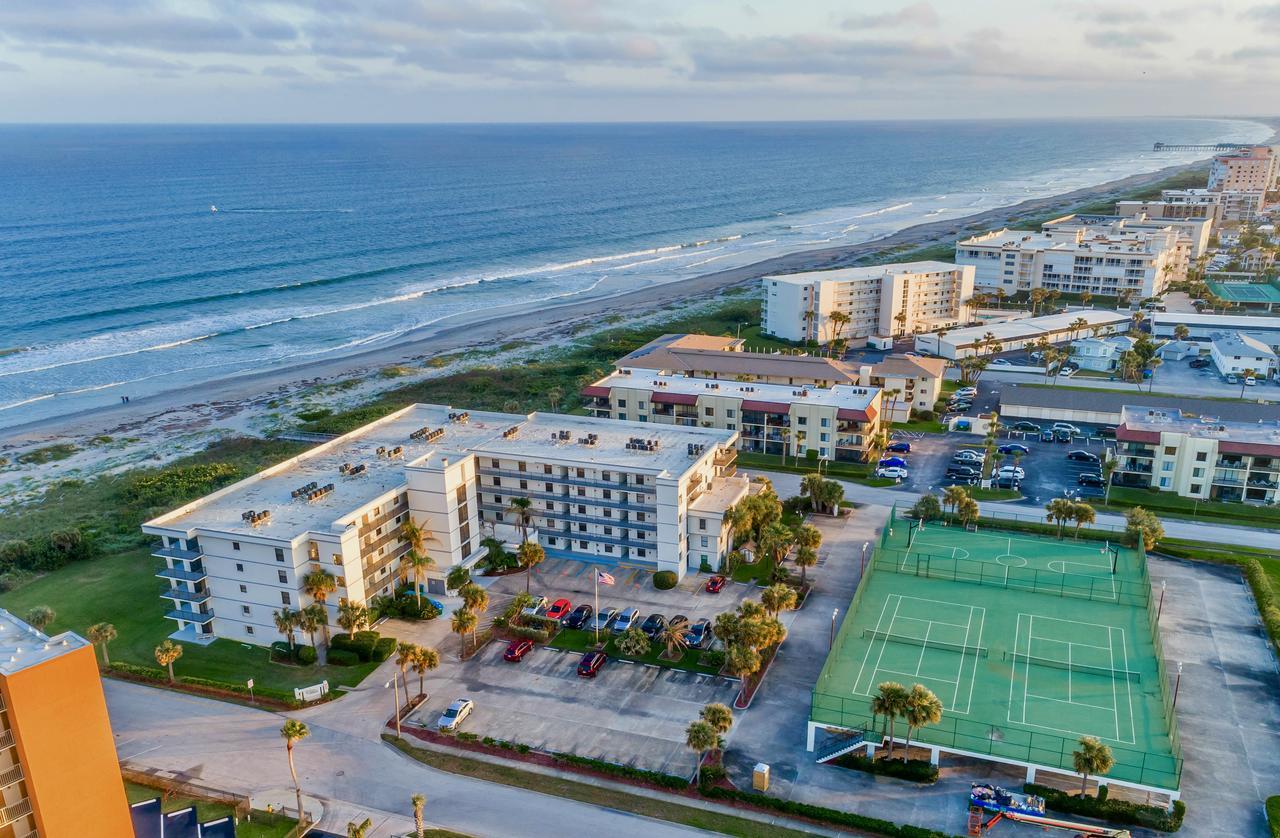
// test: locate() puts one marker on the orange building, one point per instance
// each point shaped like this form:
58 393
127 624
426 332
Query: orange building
59 775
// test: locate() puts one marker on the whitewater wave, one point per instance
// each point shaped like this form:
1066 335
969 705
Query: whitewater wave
267 210
74 361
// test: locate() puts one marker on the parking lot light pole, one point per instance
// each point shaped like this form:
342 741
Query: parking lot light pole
832 642
863 568
1177 683
395 692
1164 583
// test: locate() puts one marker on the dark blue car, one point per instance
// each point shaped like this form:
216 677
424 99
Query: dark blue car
1014 448
899 448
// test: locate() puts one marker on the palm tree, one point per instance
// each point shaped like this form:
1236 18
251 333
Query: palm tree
1059 510
805 558
418 564
1109 467
810 487
891 702
359 830
554 395
530 554
40 616
1181 332
166 653
318 585
463 623
1244 379
720 717
352 617
953 496
310 619
293 732
474 598
286 621
876 444
1082 513
424 658
521 510
419 802
1076 325
893 400
968 510
1093 758
673 637
775 540
100 634
923 709
776 598
901 319
807 535
405 652
839 320
701 737
457 577
416 559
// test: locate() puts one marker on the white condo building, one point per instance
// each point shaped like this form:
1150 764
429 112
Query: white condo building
881 301
1074 257
603 491
1252 169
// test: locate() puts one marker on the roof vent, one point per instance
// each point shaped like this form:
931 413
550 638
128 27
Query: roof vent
461 418
511 431
256 518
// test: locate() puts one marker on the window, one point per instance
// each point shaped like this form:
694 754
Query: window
608 548
1202 456
802 420
730 413
731 427
494 464
1196 487
582 527
642 407
608 530
581 472
520 466
244 589
1197 472
582 493
825 422
823 438
1170 450
582 545
708 411
248 629
239 568
279 555
284 598
235 545
640 552
244 609
607 494
1166 466
702 523
622 403
582 509
1164 482
282 576
704 541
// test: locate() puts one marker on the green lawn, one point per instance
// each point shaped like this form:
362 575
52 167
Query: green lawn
258 825
1175 506
994 494
1273 815
756 573
122 590
859 472
930 426
758 341
581 641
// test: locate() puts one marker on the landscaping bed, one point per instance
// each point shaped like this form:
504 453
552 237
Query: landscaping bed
914 770
1120 812
577 640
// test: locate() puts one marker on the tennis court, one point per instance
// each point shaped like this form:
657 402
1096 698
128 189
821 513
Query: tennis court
1246 292
1030 643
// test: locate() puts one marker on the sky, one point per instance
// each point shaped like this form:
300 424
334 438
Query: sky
648 60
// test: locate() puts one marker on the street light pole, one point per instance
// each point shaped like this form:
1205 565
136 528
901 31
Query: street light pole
1164 583
832 642
396 693
1176 684
863 568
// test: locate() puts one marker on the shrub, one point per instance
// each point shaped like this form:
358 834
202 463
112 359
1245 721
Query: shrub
821 813
526 633
665 580
711 658
371 636
135 669
1112 811
915 770
657 778
313 415
924 415
306 655
163 487
383 649
342 657
49 551
464 736
405 606
522 748
363 644
705 567
489 740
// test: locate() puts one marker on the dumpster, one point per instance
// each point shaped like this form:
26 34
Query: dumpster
760 777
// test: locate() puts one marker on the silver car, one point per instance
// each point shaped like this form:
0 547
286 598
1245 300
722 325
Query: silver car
456 714
627 618
601 620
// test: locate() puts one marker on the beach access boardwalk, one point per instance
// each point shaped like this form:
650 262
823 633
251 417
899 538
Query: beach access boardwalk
1030 643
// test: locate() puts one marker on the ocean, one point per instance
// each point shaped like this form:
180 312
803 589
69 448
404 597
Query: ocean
117 278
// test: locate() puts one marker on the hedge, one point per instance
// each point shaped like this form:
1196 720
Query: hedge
306 655
384 648
343 657
1111 811
162 676
822 813
915 770
657 778
665 580
47 552
526 633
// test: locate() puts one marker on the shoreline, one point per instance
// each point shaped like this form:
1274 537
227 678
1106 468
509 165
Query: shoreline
231 404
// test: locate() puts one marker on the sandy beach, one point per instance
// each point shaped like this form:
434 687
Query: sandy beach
159 428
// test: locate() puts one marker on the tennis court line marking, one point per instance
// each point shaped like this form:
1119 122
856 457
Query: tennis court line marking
938 622
867 656
1124 649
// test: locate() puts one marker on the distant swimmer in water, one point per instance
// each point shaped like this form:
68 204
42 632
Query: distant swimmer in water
212 208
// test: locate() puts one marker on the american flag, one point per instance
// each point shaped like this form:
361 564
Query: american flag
604 578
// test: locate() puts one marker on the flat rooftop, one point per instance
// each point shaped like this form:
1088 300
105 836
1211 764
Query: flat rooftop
1234 343
22 646
1068 238
1238 322
866 272
721 495
1071 398
841 396
272 489
1033 326
1157 420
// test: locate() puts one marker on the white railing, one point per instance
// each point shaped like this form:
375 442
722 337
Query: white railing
9 814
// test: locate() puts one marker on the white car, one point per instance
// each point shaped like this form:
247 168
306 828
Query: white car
895 472
1001 362
1015 472
1250 381
971 454
1066 426
965 393
538 608
457 712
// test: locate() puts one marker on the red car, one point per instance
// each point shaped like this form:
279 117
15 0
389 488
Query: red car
517 649
558 609
591 663
716 584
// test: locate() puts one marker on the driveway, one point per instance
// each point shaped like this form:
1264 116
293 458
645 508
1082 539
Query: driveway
629 713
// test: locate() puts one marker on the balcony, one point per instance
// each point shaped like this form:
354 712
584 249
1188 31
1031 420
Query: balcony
178 575
194 597
1235 465
1136 450
622 486
1136 467
10 776
19 810
6 739
178 553
623 523
1227 480
200 617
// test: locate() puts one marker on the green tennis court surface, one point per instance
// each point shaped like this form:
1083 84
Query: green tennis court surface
1030 643
1246 292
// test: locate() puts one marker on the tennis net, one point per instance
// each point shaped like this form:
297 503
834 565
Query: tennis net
873 634
1072 666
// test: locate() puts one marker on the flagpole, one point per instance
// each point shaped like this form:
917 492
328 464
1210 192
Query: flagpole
596 576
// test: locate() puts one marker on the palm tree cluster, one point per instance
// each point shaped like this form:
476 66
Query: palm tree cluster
824 495
420 659
918 707
416 562
750 516
311 619
465 620
1065 510
745 633
958 500
707 732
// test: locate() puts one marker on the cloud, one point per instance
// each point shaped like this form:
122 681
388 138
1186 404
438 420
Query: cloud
10 67
1266 53
1108 13
917 15
334 65
283 71
815 55
1133 43
1266 15
113 58
225 69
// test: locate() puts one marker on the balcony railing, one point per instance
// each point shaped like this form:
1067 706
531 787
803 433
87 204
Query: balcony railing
6 739
178 553
622 486
1235 465
19 810
181 575
181 595
200 617
1139 468
10 776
